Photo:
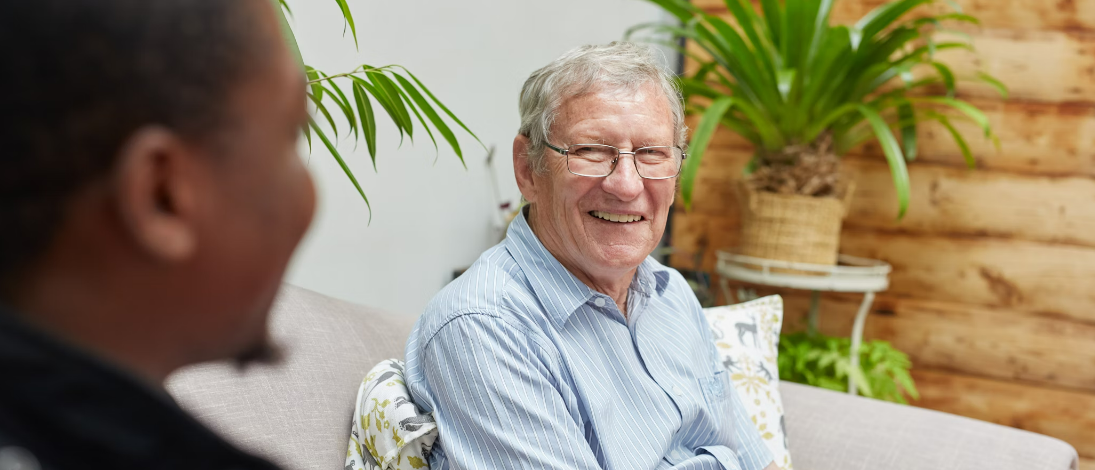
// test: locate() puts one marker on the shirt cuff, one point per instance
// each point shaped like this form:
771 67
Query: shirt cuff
726 456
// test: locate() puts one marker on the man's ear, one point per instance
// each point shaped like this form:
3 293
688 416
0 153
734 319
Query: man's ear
522 168
155 189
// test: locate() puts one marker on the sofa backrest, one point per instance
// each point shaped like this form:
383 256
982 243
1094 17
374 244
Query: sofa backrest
297 413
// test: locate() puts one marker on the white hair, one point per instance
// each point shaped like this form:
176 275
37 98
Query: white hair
620 65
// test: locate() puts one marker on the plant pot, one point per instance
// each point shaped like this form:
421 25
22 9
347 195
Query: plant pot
791 227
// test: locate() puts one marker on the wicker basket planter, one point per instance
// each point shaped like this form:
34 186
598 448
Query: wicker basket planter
788 227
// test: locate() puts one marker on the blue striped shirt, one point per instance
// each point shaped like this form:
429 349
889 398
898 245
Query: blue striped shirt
524 366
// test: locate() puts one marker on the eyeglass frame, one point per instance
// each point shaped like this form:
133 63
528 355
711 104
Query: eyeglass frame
566 153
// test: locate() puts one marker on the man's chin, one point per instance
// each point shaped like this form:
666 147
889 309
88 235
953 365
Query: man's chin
623 257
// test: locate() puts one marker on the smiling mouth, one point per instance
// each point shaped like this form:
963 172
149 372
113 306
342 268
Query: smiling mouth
618 218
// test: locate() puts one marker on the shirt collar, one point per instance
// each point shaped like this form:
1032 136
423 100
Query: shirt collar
559 291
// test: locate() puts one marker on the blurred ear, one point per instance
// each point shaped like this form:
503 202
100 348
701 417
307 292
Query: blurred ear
155 186
522 168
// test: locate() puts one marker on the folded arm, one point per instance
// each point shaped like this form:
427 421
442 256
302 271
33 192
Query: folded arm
498 404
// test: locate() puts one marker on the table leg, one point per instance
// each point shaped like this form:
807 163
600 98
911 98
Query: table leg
812 316
725 284
857 335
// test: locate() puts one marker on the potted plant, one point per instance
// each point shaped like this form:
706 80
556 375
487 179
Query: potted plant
804 93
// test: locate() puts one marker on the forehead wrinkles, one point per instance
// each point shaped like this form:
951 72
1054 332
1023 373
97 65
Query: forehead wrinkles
587 112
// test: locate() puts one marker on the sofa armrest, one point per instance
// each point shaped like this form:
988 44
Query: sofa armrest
835 431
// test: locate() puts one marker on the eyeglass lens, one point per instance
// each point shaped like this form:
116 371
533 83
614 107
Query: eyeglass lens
599 160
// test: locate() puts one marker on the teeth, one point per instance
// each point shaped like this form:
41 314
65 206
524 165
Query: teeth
621 218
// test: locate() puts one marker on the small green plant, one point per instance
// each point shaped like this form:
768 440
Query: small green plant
824 361
403 97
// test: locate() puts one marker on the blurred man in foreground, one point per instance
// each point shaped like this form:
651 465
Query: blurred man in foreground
150 199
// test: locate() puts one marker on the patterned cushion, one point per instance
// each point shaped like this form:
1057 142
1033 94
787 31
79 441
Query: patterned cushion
747 339
389 432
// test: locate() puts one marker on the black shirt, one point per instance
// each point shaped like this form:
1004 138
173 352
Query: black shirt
71 411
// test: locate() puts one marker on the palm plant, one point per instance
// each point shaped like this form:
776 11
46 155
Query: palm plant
400 95
804 91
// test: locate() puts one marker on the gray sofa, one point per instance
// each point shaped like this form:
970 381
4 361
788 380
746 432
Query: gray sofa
297 413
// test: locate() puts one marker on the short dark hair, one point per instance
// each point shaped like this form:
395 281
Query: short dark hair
81 76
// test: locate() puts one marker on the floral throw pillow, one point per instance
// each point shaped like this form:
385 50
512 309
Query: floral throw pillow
747 339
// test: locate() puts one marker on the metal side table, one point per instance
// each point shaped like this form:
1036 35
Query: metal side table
851 274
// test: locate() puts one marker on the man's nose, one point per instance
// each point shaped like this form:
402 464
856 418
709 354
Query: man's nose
624 182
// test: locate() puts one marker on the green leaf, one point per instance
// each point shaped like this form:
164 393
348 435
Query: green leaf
342 163
343 104
786 77
885 15
323 110
701 137
750 23
862 384
947 76
997 84
385 102
442 106
313 77
383 82
307 135
417 115
908 130
893 156
958 139
368 121
728 46
965 108
349 17
773 14
432 115
287 32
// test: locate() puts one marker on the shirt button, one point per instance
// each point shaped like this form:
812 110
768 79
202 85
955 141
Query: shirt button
677 390
599 302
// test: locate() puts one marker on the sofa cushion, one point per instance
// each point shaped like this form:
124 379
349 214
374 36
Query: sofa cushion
835 431
747 340
297 413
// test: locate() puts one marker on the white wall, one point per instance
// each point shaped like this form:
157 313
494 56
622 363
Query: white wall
429 217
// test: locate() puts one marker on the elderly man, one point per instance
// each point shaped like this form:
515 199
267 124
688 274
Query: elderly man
566 346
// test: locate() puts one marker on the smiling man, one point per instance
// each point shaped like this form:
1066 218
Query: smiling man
566 346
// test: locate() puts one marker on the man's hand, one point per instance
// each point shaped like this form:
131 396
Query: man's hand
773 466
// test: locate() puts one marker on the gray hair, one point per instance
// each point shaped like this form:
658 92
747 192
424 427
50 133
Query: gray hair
619 65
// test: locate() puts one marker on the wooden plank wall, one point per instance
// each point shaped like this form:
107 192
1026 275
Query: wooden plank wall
993 290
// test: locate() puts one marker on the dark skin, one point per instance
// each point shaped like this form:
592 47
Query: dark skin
174 257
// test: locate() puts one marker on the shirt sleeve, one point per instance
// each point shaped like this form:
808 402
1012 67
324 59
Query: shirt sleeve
751 448
496 402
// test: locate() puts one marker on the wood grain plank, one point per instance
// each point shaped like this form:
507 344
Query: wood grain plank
1019 275
976 203
703 234
1023 15
977 341
1035 138
945 200
1066 415
1087 464
1044 66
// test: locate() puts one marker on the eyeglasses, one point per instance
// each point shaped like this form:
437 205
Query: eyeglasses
597 160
